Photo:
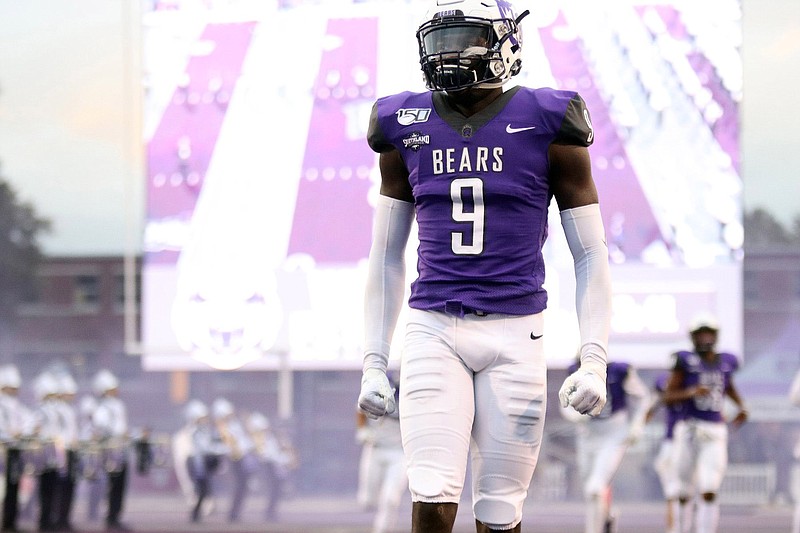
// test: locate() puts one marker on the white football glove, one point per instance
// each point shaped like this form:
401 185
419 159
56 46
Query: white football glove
377 395
585 391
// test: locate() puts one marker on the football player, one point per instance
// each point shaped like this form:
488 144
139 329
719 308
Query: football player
477 167
703 378
603 440
382 480
664 463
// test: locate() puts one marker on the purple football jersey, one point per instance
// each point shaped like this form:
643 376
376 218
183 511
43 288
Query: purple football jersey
616 397
673 412
481 192
715 375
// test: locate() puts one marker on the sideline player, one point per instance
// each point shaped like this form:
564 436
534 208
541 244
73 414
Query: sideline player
702 378
478 166
604 439
382 479
664 463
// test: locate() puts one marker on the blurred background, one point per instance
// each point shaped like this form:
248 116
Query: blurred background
187 200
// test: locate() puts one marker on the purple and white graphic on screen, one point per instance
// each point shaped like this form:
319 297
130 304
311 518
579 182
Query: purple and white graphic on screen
716 95
332 219
182 146
629 221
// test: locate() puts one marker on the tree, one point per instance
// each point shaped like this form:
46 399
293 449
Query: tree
20 255
761 229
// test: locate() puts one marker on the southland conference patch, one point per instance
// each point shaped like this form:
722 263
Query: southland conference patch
416 140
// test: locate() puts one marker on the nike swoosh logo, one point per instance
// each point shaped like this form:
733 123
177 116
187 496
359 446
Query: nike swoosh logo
536 337
509 129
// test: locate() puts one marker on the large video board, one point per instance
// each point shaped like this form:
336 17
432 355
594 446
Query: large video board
260 184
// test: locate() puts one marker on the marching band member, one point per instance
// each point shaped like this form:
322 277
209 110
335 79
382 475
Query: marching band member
52 458
91 460
68 434
15 418
241 456
110 423
205 450
277 459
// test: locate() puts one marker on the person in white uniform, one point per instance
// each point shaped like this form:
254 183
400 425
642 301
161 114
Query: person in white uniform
277 459
15 422
110 427
664 463
382 478
51 457
69 434
205 454
242 460
603 440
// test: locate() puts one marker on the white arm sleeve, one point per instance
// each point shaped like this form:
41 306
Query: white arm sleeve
386 275
583 227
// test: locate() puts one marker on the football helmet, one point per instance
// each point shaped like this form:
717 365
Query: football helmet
703 320
469 43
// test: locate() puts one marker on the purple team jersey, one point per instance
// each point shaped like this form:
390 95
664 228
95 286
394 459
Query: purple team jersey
673 412
481 192
616 397
715 375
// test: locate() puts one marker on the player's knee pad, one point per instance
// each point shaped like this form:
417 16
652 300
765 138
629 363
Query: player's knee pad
498 501
428 485
495 513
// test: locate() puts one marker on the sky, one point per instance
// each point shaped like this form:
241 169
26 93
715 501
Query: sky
70 132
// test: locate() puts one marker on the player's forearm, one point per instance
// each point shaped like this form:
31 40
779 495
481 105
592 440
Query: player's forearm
585 234
733 394
385 278
679 395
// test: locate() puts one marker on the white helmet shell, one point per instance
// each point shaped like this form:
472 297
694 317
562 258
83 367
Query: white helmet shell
104 381
469 43
704 320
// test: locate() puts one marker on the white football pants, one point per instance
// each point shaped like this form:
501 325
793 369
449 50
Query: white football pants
473 386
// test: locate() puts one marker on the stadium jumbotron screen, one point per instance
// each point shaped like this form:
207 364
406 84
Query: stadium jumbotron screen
260 183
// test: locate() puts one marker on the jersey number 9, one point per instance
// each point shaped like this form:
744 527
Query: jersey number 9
459 188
